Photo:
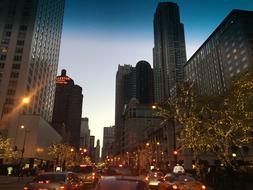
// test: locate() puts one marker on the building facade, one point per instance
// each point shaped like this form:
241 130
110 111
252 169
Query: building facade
108 140
29 53
131 82
169 51
67 111
226 53
85 133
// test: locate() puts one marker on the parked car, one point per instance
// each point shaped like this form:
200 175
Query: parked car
55 180
121 183
87 174
182 181
153 178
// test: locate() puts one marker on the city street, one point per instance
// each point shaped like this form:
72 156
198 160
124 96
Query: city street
13 183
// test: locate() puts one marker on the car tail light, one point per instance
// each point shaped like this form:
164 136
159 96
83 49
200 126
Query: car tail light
203 187
61 188
25 188
174 187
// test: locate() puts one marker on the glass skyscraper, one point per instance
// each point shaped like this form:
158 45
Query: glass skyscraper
169 51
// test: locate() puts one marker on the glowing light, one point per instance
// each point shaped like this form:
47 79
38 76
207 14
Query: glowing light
26 100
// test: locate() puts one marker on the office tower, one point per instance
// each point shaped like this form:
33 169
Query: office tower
108 140
131 82
169 51
120 100
85 133
29 52
67 111
92 149
30 32
97 152
226 53
144 83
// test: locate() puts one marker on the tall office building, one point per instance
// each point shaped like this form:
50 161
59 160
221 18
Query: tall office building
108 140
85 133
169 51
227 52
30 36
67 111
144 83
120 100
29 52
131 82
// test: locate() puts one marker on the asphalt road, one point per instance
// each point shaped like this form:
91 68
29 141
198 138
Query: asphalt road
15 183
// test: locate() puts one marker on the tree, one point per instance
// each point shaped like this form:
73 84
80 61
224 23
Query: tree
62 154
214 124
6 151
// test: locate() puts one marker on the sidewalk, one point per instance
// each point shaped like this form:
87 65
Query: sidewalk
14 179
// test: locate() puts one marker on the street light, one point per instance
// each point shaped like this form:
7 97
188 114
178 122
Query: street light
172 118
24 101
23 147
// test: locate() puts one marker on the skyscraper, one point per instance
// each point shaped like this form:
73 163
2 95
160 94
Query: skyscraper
67 111
169 51
108 140
131 82
144 83
29 52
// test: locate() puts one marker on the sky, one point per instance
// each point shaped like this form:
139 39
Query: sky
98 35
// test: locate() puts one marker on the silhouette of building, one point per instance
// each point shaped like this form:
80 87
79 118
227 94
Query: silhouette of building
169 51
108 140
67 111
131 82
85 133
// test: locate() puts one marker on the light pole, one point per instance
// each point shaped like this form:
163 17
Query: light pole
23 147
24 101
172 118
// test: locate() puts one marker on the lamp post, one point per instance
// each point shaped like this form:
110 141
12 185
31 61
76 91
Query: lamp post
23 147
24 101
173 131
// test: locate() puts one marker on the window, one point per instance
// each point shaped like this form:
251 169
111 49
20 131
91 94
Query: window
1 65
16 66
7 34
14 74
19 50
2 57
13 83
20 42
5 41
17 58
23 27
9 101
11 92
8 26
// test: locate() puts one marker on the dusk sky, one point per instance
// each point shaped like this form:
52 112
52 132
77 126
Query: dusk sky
98 35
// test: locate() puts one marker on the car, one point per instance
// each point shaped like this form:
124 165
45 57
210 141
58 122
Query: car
119 171
180 181
153 178
87 173
121 183
55 181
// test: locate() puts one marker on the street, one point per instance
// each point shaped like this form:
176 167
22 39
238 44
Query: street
12 183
